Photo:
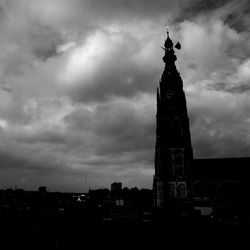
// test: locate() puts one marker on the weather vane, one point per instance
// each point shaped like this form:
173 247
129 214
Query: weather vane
177 45
167 31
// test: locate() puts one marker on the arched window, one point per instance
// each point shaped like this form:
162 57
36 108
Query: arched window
179 162
181 191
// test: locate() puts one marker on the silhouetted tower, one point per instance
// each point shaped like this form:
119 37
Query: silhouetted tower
173 150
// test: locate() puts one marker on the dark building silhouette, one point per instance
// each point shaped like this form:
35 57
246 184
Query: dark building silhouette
42 189
116 186
221 187
116 193
183 185
173 150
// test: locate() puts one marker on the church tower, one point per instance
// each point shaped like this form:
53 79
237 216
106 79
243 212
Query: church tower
173 150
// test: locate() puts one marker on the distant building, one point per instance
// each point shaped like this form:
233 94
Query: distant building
116 193
116 186
42 189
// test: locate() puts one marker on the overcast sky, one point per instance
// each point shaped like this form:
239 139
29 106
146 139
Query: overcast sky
78 81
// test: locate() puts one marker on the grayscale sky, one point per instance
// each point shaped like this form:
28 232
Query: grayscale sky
78 81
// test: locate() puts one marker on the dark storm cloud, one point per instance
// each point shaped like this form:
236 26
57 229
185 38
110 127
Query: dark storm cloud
128 10
240 50
44 41
201 6
115 122
40 40
232 12
22 172
20 159
220 125
43 136
191 9
238 18
8 160
78 86
6 88
224 136
241 88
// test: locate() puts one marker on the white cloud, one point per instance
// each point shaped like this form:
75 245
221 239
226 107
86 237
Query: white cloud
205 44
244 71
78 82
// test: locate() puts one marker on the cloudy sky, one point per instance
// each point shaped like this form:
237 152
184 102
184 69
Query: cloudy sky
78 81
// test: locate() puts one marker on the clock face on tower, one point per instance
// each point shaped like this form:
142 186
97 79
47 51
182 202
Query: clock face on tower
170 94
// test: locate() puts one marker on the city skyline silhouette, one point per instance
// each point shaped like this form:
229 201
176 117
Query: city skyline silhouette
78 83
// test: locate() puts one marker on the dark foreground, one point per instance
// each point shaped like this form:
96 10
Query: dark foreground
74 232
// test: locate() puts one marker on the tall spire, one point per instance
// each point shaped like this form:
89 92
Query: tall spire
168 42
173 149
169 50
